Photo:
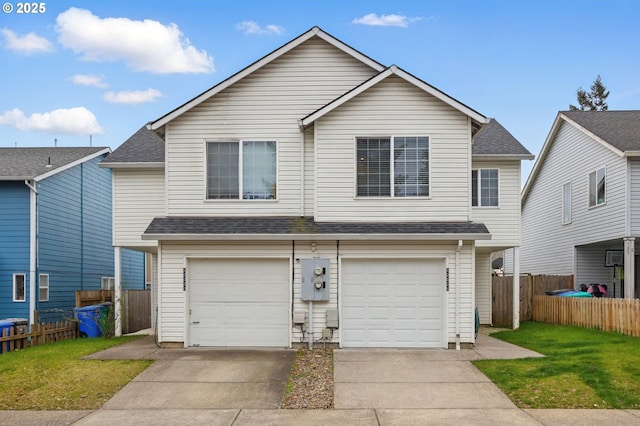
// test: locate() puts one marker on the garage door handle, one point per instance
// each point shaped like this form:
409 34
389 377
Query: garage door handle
195 322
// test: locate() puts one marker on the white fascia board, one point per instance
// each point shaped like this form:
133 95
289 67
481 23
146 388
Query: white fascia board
72 164
632 153
394 70
315 31
315 237
132 165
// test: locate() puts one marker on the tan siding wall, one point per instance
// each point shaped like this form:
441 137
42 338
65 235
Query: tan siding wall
173 298
264 105
503 221
139 196
393 108
483 286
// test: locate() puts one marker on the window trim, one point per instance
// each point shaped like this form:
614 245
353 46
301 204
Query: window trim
24 284
41 287
240 164
595 171
111 280
479 188
391 169
567 207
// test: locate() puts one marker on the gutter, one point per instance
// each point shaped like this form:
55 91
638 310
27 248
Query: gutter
33 193
315 237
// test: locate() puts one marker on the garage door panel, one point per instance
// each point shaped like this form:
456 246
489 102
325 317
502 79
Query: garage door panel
239 302
392 302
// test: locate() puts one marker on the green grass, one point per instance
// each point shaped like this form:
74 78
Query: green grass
53 377
582 368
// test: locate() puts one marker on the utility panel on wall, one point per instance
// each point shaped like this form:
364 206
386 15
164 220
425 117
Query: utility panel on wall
315 279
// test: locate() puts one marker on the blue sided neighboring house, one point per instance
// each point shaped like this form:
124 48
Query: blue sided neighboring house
56 231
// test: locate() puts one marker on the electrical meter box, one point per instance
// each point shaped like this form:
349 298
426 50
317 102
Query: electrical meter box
315 279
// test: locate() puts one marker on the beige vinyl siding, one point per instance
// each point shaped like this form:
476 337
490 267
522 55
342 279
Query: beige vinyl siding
154 288
138 197
547 244
265 105
309 172
634 195
393 108
483 286
503 221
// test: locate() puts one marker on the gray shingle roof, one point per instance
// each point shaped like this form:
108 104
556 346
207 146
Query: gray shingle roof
620 129
144 146
28 163
493 139
292 226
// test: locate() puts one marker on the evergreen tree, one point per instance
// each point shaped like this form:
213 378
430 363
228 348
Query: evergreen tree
595 100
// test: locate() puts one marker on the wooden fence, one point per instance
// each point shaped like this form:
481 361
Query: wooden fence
618 315
530 285
136 306
13 338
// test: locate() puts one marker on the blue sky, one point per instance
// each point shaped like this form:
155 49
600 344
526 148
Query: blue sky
104 68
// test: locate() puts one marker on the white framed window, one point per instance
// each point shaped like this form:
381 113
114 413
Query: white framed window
43 283
244 170
19 287
107 283
399 162
485 188
566 203
598 187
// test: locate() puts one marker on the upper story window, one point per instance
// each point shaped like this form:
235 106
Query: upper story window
244 170
485 184
407 173
19 287
597 187
44 287
566 203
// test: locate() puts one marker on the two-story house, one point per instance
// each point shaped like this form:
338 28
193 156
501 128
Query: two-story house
318 194
580 205
55 231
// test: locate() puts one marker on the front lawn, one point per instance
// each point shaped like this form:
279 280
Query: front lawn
53 377
582 368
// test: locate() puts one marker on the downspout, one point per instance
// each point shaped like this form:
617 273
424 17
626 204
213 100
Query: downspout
32 249
302 212
458 248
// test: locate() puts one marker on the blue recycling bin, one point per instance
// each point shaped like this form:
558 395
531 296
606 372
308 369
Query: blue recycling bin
89 318
5 325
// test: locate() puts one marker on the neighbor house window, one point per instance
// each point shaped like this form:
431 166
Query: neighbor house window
566 203
19 287
597 187
44 287
244 170
393 167
485 188
108 283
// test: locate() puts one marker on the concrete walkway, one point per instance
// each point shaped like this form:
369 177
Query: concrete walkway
372 387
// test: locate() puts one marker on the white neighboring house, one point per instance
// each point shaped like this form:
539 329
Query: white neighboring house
318 194
581 203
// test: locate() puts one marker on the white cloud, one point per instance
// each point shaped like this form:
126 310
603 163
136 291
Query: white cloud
73 121
392 20
89 80
252 27
27 44
132 97
144 45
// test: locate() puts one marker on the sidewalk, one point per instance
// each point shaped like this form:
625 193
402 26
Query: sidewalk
378 372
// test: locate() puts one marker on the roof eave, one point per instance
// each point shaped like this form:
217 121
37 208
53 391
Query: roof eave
132 165
317 237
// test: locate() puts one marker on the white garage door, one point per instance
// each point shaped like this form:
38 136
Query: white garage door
239 302
393 303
